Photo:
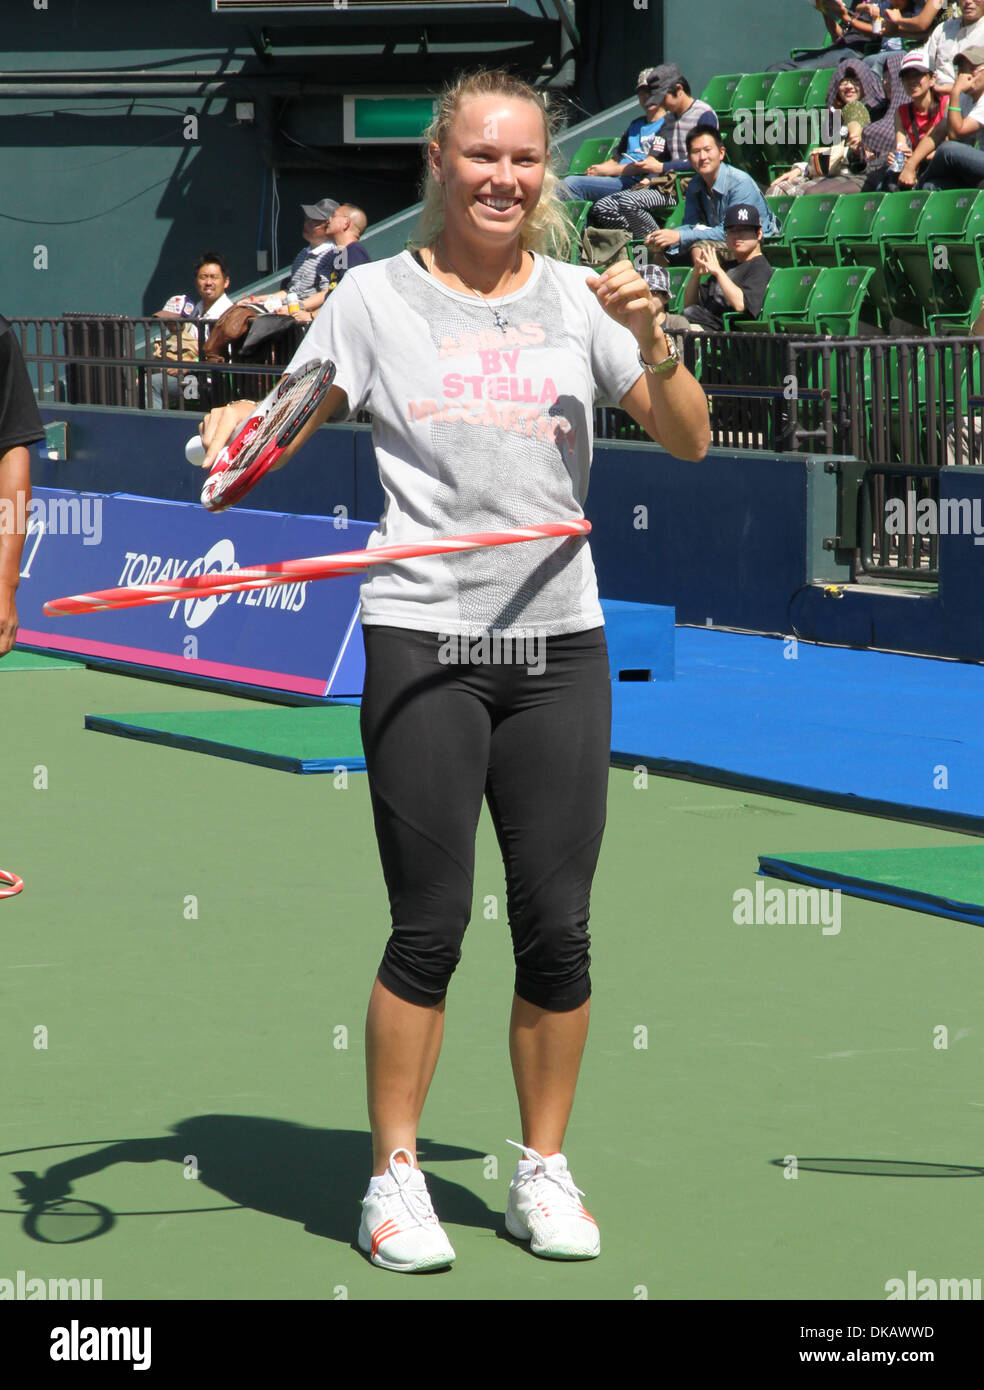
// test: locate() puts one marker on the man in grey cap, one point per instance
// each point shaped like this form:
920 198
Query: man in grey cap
633 159
332 231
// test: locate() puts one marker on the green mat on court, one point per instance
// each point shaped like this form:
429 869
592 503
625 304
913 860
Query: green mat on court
947 881
321 739
35 661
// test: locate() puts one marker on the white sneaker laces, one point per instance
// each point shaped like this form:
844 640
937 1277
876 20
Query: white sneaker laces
562 1180
416 1200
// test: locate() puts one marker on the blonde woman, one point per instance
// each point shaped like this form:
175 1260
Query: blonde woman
480 359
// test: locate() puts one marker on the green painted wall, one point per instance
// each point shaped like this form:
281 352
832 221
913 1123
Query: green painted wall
107 200
703 39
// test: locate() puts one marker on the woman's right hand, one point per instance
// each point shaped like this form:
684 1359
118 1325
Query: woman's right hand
220 425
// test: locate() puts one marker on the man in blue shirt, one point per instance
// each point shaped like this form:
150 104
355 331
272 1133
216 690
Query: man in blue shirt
625 171
717 187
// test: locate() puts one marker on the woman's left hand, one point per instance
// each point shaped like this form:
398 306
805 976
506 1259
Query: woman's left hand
624 295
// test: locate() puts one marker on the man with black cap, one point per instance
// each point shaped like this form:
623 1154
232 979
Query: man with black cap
711 291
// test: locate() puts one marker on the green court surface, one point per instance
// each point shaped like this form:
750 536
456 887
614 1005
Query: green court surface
195 945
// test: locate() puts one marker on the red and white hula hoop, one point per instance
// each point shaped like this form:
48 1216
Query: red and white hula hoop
291 571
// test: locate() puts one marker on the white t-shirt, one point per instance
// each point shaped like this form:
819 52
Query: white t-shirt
216 311
943 43
477 428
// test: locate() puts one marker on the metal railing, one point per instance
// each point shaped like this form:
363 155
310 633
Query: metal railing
103 359
904 408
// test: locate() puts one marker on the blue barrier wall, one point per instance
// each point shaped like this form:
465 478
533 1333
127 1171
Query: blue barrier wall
734 538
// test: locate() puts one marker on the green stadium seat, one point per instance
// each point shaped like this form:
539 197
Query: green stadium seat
957 325
720 92
834 306
895 221
592 152
798 123
575 212
779 207
805 226
788 294
819 85
925 262
679 275
964 258
752 91
851 219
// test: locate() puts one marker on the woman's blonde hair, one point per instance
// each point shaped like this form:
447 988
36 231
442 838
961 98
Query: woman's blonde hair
546 229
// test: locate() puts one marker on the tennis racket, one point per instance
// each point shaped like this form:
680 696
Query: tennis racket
292 571
9 884
58 1219
265 435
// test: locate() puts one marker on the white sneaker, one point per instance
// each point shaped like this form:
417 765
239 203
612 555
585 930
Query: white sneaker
545 1209
399 1229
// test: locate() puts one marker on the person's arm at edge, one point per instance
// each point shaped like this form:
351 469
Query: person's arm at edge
15 480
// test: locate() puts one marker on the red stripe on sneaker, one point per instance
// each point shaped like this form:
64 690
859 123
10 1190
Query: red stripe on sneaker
388 1228
588 1217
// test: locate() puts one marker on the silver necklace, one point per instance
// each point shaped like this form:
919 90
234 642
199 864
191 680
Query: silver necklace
501 322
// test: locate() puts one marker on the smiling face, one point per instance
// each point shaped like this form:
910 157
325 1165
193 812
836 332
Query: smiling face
916 82
848 89
211 283
491 168
706 156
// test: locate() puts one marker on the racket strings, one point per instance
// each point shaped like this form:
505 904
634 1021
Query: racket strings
280 411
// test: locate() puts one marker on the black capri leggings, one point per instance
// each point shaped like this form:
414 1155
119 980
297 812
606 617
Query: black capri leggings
440 733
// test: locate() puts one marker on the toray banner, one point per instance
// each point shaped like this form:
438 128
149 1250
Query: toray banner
299 637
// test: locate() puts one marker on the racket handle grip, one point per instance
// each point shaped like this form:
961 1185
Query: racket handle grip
195 451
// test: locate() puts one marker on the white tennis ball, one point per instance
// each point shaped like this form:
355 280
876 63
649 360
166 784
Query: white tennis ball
195 451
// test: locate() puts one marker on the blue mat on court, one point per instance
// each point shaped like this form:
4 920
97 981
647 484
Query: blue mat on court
899 736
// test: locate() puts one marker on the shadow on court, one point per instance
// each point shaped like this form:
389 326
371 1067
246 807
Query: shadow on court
882 1167
316 1177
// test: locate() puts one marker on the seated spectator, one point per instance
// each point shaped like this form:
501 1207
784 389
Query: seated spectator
959 159
685 113
920 124
950 36
332 232
854 116
847 34
211 281
718 187
916 16
177 344
711 291
878 138
633 160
